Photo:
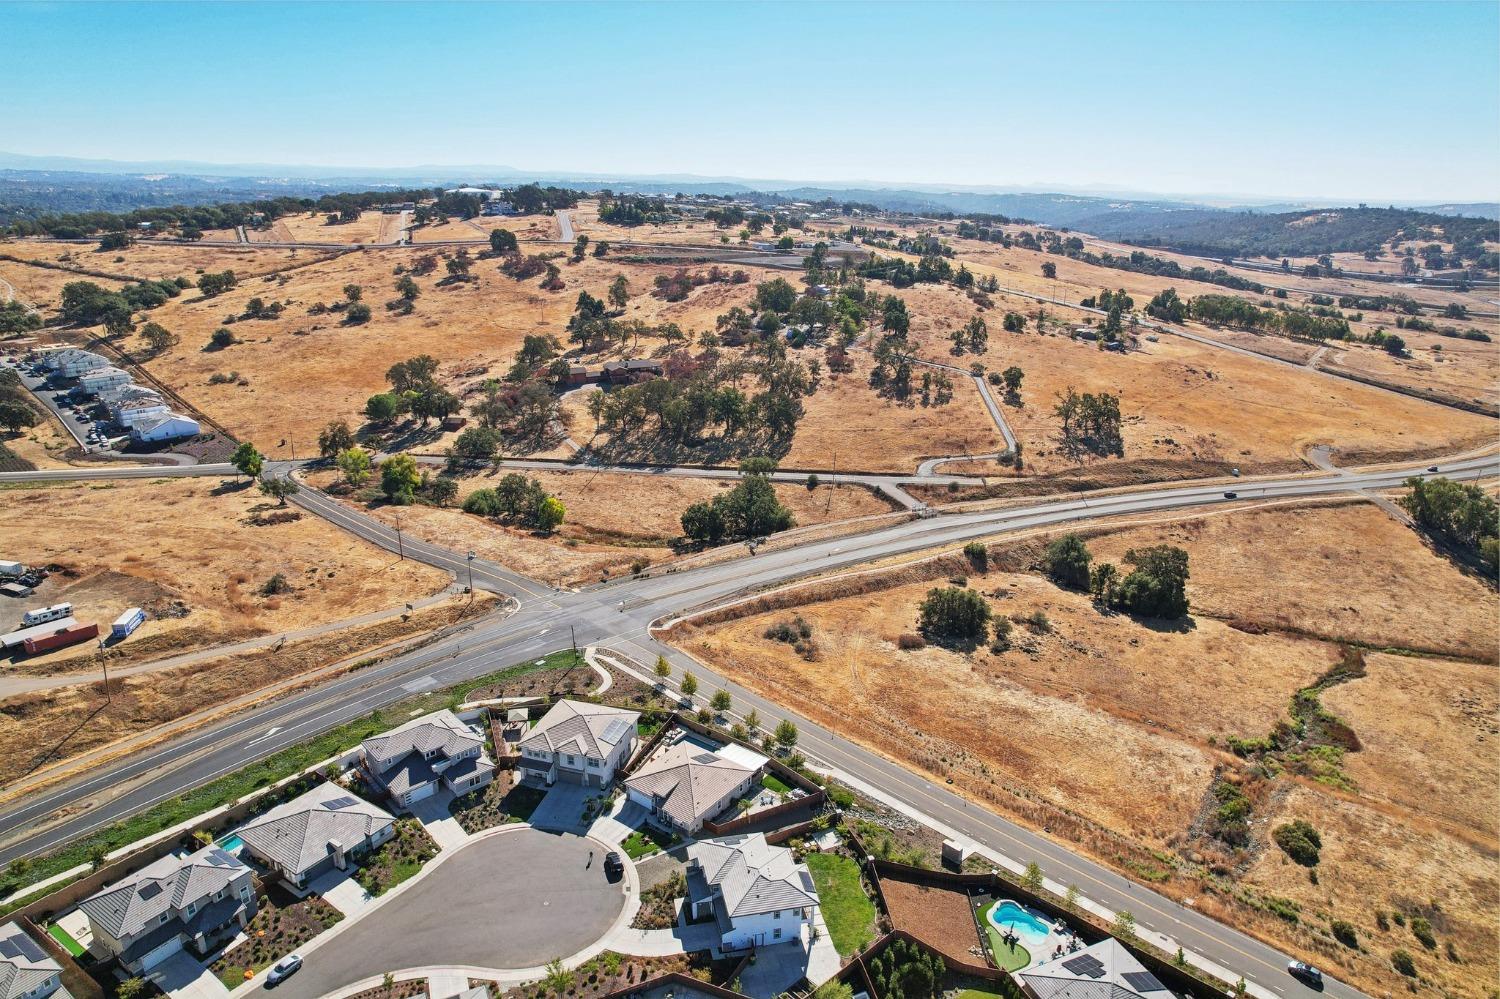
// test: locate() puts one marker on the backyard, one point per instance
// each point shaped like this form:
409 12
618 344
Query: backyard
847 909
497 804
647 840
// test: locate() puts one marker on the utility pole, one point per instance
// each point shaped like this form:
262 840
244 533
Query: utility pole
573 636
400 545
470 560
829 505
104 665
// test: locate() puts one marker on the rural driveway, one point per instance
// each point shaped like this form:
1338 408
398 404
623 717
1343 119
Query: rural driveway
515 900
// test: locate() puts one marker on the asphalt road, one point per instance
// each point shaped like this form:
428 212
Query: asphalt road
529 896
619 615
564 226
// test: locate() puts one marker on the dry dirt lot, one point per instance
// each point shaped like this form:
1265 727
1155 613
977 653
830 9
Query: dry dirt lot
1186 402
41 287
1104 730
196 557
452 229
614 521
156 261
314 228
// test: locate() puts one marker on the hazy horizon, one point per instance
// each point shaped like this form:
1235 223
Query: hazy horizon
1163 100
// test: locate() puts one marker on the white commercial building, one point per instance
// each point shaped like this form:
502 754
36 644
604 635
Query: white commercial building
163 427
72 362
98 380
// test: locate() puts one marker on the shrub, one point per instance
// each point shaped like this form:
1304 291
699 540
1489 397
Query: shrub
909 642
954 616
1343 931
1067 562
1402 962
1382 920
1422 930
1299 840
978 556
1002 629
276 584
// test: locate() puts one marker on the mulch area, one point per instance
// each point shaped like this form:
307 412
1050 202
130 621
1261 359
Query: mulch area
500 802
938 917
413 989
610 972
567 681
281 925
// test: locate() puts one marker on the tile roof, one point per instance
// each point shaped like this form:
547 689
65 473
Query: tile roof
441 730
298 834
690 781
752 875
589 730
24 965
1105 970
138 901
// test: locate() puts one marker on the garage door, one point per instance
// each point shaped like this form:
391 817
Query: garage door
160 954
418 793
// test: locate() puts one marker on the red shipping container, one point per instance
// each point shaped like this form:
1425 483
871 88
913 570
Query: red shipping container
60 638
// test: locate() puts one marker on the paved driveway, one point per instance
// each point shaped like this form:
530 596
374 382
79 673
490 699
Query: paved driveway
562 809
516 900
183 976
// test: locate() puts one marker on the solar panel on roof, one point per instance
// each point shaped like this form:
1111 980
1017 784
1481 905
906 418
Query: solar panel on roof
29 948
150 889
615 730
807 882
1085 965
1142 982
342 802
9 950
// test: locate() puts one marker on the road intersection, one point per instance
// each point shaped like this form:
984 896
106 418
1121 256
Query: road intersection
623 615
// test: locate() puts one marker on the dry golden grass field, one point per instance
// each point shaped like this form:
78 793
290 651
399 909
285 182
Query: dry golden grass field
196 557
453 229
615 522
314 228
1108 731
1185 401
41 287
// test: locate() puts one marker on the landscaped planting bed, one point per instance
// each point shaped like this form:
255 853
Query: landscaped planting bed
610 972
659 904
648 840
847 909
415 988
399 858
501 802
281 925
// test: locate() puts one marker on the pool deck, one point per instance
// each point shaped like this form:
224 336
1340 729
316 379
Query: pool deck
1034 951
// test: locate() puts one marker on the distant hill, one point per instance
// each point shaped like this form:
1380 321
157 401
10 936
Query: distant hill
26 194
1290 234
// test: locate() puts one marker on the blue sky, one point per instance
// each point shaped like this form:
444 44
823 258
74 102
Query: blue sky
1367 101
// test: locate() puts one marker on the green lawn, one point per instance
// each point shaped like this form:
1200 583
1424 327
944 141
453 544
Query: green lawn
65 938
1011 958
978 994
772 783
647 840
847 910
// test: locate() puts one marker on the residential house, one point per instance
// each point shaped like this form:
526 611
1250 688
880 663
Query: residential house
686 785
579 743
324 830
758 894
494 206
163 427
434 751
1105 970
631 370
26 970
98 380
194 901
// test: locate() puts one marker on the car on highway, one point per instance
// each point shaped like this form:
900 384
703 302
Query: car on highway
282 970
1305 972
1231 495
1432 468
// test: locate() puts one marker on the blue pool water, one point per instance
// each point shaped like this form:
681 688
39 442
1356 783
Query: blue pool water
231 844
1029 927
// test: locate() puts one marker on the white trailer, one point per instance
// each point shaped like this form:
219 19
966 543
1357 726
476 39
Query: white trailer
44 614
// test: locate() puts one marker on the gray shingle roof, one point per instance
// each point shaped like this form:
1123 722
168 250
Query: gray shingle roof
297 834
441 730
690 780
589 730
131 905
24 965
752 875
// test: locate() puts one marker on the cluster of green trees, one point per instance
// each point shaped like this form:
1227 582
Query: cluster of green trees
932 268
1462 515
519 500
415 390
216 283
1140 262
1155 587
631 210
1090 423
196 218
1227 310
1166 306
16 410
84 303
16 318
749 510
906 970
954 617
973 336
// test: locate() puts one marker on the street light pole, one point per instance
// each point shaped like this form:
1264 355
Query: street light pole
470 560
400 545
104 665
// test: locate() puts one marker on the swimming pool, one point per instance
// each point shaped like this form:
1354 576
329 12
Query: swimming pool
231 844
1030 928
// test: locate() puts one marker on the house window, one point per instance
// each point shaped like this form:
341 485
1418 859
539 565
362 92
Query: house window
192 908
594 764
776 914
777 934
163 918
570 761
